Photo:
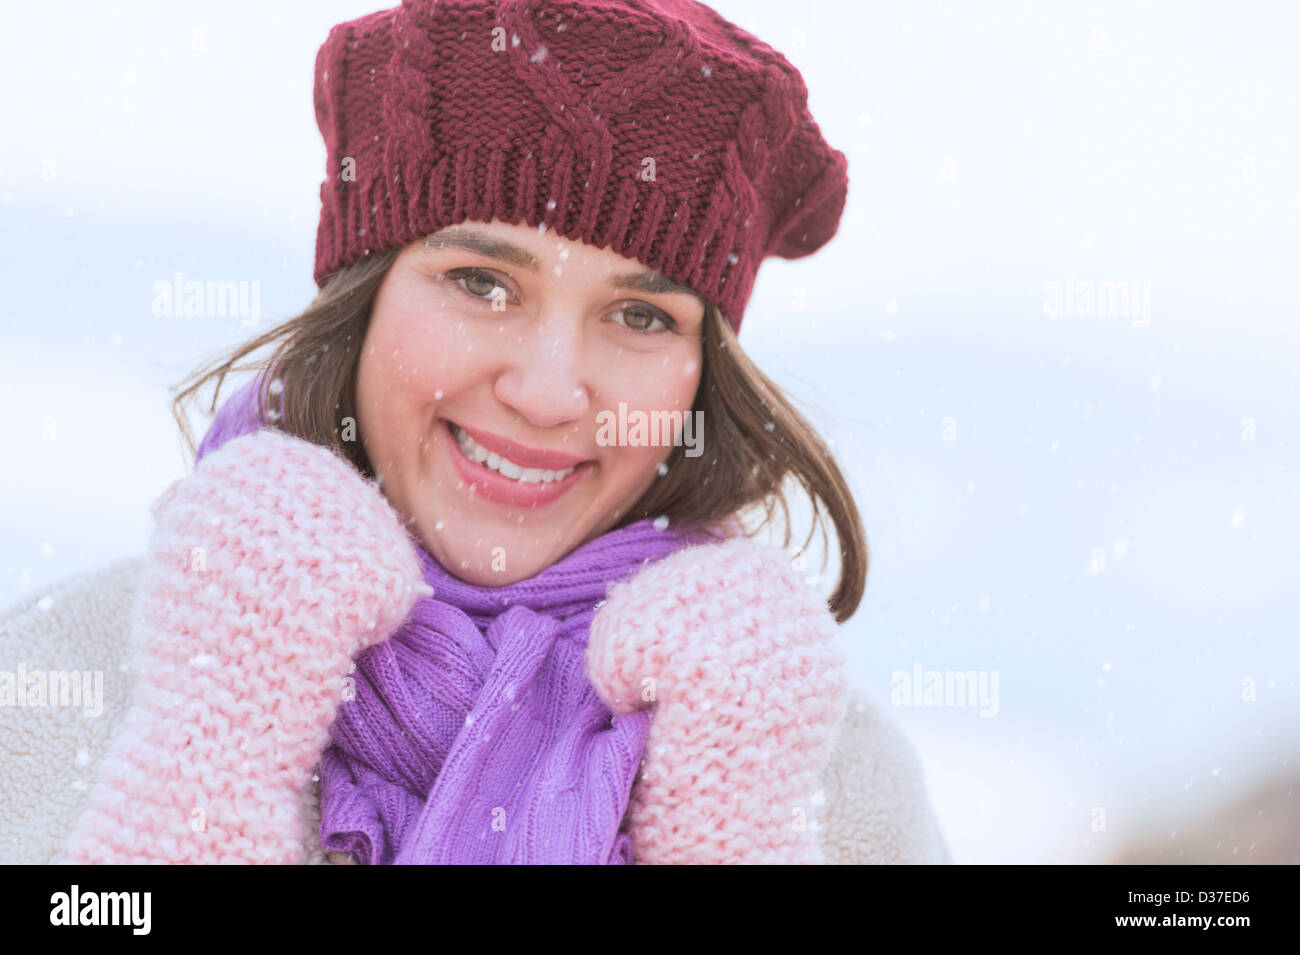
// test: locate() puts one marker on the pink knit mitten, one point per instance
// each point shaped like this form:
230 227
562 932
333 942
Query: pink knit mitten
735 652
268 569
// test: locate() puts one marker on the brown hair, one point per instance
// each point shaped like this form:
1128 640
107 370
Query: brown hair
758 440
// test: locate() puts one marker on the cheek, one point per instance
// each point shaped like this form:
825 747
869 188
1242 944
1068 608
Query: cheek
667 384
415 356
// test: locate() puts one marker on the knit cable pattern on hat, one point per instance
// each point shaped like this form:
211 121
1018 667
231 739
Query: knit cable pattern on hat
268 568
734 653
655 128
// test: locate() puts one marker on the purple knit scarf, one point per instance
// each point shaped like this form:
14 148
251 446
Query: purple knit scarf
475 735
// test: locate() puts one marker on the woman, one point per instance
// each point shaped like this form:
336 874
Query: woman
415 562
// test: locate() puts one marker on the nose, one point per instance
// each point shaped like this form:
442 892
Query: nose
546 375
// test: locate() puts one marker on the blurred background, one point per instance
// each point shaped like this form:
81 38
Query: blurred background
1055 344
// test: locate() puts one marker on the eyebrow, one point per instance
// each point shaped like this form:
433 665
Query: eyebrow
652 283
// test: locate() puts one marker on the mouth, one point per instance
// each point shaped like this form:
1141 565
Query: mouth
506 481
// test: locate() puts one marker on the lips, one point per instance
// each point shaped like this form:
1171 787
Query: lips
485 482
523 456
476 452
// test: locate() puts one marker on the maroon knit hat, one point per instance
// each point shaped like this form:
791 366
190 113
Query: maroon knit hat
654 128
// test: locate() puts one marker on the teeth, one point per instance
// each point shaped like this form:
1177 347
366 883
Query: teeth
504 466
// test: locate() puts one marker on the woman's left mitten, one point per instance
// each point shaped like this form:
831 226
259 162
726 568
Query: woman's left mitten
735 653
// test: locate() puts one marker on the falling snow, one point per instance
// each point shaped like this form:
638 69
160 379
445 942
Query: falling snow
1108 526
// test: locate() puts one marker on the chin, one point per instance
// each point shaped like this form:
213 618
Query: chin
495 559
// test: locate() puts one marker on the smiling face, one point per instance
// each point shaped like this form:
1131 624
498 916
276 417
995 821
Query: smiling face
496 338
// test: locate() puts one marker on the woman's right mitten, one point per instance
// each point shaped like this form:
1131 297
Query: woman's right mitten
268 569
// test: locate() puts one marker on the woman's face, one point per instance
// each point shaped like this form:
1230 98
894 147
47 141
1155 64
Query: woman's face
492 337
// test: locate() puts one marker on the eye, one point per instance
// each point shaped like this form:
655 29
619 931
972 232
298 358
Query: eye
643 318
479 284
